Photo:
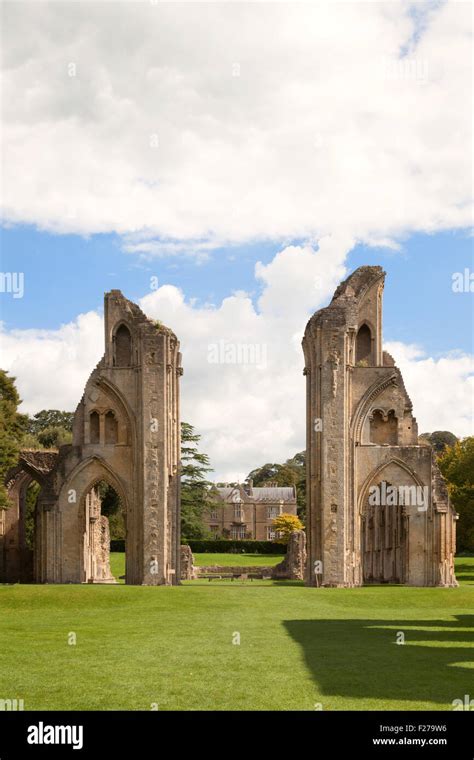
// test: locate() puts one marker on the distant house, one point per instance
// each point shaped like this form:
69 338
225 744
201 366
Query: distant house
243 512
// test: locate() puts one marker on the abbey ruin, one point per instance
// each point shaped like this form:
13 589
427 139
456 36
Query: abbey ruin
377 506
126 433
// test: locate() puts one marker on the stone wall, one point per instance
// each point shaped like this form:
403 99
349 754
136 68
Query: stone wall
294 565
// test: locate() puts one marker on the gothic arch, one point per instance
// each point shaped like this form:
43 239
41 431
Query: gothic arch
120 405
378 472
123 344
16 556
364 342
106 473
364 405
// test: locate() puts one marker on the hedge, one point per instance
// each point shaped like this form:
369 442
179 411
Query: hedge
229 546
220 546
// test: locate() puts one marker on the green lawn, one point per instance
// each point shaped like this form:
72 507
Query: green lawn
298 646
238 560
117 561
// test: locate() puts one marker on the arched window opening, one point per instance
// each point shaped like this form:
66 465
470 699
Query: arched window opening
31 500
384 428
94 427
383 536
123 347
111 428
364 345
104 527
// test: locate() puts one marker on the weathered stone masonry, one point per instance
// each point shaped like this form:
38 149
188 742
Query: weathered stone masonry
361 433
127 433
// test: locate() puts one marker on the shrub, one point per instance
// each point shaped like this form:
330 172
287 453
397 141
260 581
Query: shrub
225 546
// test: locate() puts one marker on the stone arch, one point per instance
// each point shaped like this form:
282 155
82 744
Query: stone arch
16 556
120 406
72 500
122 345
95 530
377 472
364 405
384 524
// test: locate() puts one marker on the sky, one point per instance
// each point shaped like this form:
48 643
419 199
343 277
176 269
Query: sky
225 165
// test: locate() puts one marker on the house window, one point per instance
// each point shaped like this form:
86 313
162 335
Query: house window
237 512
273 512
238 532
213 514
271 533
214 529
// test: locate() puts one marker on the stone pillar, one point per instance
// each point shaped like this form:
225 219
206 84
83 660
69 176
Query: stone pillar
188 572
294 565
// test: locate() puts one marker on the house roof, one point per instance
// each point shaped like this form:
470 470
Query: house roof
258 494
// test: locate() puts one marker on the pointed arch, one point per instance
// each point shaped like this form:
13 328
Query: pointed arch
106 473
364 405
378 472
122 345
364 343
121 405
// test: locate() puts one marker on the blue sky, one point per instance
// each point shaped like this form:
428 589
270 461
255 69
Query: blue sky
146 136
66 275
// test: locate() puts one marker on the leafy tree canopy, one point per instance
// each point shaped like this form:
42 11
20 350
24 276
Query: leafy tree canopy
290 473
438 440
49 418
457 466
12 428
285 525
194 484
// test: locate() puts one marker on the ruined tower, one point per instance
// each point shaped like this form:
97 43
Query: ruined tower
126 434
377 505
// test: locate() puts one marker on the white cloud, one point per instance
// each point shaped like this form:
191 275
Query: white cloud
52 366
326 129
248 414
441 388
328 134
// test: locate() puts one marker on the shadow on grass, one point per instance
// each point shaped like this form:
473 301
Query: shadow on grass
361 658
465 572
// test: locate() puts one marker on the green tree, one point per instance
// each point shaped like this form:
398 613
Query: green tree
48 429
49 418
291 473
111 507
32 494
54 437
12 427
439 440
194 485
457 466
